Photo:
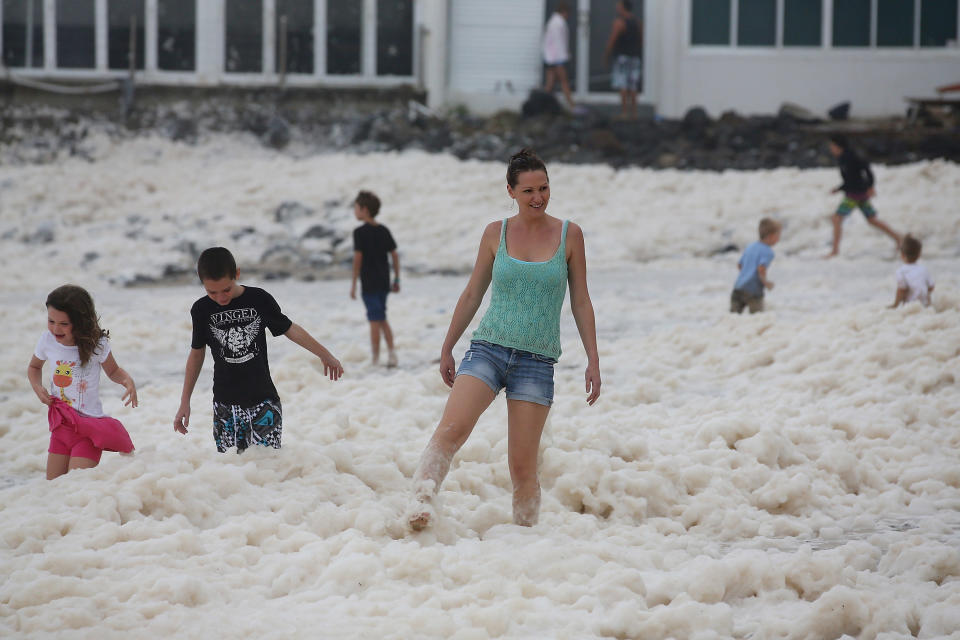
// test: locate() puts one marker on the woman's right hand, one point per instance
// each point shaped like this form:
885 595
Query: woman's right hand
448 368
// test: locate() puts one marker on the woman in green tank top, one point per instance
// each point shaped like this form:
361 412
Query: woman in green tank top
529 259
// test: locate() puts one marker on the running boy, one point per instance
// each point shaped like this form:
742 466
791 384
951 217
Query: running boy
857 188
232 319
753 264
371 244
913 280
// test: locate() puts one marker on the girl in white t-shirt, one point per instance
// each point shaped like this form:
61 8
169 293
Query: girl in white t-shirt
78 349
914 283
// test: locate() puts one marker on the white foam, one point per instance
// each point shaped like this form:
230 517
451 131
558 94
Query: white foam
793 474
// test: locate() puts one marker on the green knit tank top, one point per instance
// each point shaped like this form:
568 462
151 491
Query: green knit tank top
526 299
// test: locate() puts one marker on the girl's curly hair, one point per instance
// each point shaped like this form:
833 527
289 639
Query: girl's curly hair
78 305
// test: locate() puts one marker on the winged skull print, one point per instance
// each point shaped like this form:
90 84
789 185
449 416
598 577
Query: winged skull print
237 339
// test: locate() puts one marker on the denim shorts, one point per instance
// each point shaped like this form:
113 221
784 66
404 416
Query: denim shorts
526 376
376 304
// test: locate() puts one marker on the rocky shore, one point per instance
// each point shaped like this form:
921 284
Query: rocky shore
35 130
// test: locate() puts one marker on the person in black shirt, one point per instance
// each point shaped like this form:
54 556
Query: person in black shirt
858 188
371 244
626 46
232 320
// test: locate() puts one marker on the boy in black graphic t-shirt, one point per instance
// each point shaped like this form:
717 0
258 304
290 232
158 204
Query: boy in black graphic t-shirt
372 242
232 320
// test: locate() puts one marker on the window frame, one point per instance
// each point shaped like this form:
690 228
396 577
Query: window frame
826 31
210 55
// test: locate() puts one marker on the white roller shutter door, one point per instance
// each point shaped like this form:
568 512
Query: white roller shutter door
495 45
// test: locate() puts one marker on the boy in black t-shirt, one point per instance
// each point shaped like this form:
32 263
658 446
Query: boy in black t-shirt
371 244
232 319
858 188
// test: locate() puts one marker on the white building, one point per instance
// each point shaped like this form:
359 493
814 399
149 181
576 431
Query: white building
747 55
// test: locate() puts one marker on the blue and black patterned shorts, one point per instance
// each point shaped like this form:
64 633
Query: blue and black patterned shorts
261 424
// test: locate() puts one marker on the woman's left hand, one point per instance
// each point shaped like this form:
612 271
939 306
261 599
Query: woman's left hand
592 377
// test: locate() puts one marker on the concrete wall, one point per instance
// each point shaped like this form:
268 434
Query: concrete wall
759 80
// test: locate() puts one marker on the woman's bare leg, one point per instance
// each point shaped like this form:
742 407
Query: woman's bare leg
469 398
525 422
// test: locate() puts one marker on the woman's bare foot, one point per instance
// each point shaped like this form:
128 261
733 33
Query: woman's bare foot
421 513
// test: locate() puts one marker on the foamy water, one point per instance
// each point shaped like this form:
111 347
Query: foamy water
794 474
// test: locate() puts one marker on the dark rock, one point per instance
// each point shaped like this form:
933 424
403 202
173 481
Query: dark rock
280 258
606 142
182 130
43 234
791 111
541 103
245 231
290 210
696 119
319 231
840 111
277 134
727 248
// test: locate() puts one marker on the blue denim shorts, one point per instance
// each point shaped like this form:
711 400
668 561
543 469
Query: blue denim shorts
376 304
526 376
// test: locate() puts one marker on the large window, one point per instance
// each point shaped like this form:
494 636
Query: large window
855 23
757 23
23 33
851 23
938 22
76 34
295 22
895 23
121 15
394 37
176 35
244 42
344 27
802 23
710 22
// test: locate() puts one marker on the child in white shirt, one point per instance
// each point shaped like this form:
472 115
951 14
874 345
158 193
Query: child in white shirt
913 280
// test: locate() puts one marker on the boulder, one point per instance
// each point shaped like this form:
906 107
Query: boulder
541 103
696 119
277 135
840 111
791 111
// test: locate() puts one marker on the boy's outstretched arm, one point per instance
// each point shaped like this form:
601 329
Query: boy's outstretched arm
192 372
331 366
122 378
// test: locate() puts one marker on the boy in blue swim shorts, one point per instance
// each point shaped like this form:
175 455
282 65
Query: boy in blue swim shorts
858 188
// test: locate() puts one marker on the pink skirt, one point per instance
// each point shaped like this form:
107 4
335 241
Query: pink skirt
105 432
